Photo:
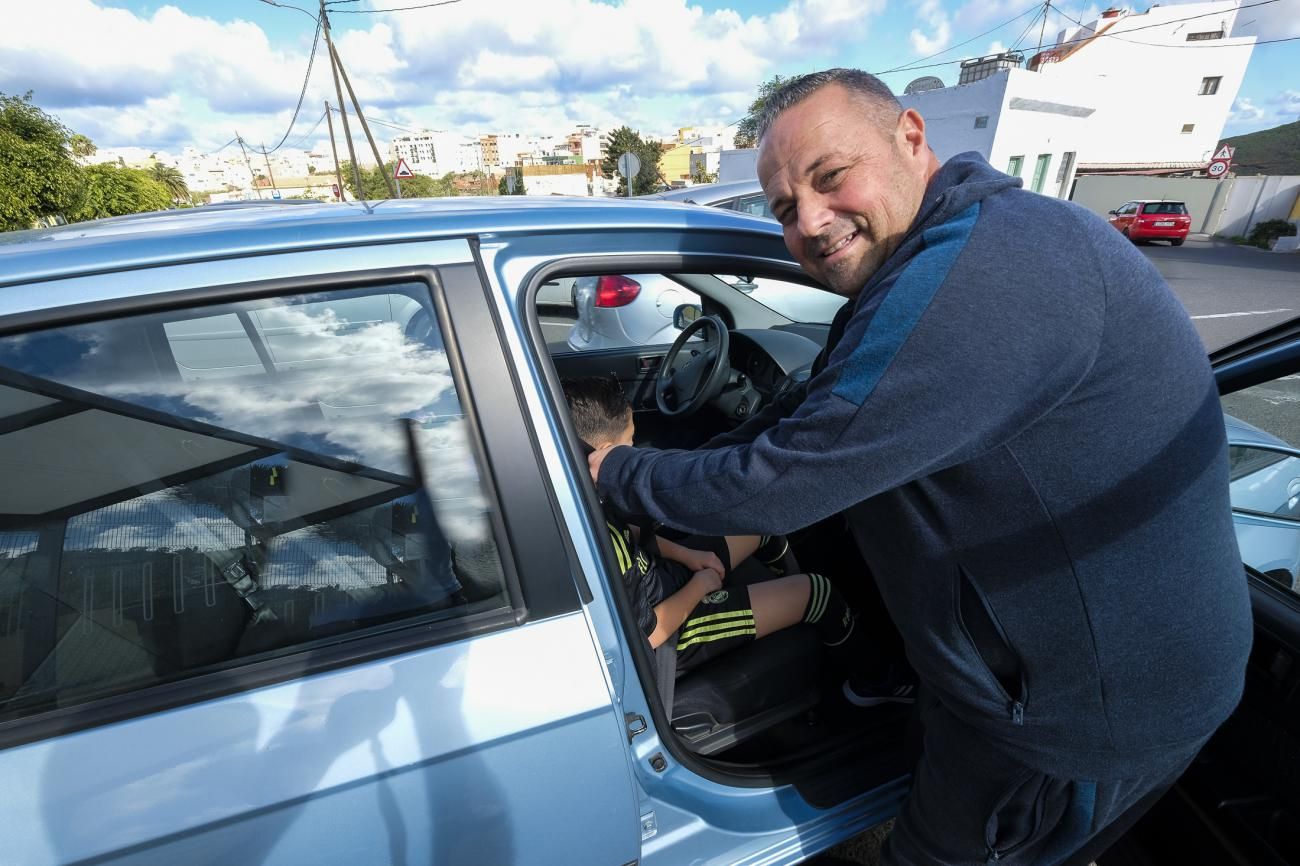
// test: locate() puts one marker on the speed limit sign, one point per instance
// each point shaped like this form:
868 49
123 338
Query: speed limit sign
1217 168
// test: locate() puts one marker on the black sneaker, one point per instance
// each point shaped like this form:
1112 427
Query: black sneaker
891 690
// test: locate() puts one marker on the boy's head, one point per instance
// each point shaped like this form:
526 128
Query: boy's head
601 414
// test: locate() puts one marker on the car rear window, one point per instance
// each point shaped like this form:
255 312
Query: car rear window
1165 207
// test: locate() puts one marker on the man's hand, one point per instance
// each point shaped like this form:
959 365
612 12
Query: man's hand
595 458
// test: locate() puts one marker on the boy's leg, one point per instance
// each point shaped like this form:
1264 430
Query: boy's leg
742 547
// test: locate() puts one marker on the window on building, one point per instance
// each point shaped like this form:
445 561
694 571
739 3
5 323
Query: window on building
1210 86
1040 171
1188 127
1063 173
253 490
982 121
1014 165
1205 35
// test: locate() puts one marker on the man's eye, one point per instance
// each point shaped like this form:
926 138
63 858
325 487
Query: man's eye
831 176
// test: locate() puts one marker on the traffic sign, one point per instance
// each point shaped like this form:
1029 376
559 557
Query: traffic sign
275 193
1217 168
1225 152
629 165
402 171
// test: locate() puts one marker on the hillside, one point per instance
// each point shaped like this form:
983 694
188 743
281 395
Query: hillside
1269 151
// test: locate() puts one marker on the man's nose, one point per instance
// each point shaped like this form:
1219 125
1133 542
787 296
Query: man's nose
814 216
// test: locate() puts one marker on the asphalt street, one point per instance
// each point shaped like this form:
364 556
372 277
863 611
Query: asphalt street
1229 291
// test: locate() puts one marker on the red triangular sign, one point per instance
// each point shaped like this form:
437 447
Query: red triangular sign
402 171
1224 152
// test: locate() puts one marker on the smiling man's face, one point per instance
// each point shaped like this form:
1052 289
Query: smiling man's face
844 189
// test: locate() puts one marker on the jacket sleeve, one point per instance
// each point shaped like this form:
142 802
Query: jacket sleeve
931 371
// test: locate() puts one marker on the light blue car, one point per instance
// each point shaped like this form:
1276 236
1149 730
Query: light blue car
300 562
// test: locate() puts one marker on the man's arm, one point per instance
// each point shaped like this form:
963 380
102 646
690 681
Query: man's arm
924 379
673 610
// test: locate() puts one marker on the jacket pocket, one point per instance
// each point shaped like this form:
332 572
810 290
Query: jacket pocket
1016 819
992 648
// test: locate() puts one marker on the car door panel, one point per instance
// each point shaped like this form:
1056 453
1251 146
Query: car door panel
426 752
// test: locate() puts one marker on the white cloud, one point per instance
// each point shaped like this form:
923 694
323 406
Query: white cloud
1288 102
174 78
1245 111
934 16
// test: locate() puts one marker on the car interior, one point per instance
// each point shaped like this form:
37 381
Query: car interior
772 709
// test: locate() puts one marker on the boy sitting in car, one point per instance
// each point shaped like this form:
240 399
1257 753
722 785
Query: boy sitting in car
682 588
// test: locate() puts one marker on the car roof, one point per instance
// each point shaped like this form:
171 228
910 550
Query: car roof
1156 201
708 193
192 234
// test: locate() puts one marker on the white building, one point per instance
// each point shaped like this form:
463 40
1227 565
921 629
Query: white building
436 153
1126 92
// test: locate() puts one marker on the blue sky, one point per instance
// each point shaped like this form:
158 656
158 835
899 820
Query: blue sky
192 72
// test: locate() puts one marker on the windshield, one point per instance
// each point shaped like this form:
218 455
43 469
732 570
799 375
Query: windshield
795 301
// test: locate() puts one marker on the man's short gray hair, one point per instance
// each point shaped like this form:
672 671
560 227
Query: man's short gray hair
880 100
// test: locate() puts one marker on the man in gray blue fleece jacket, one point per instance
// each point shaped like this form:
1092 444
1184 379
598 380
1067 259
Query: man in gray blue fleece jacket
1018 420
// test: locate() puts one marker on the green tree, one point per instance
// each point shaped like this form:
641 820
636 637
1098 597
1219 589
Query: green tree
172 180
625 140
114 190
374 187
81 146
38 176
747 129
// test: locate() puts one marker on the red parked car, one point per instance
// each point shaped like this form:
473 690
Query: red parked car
1144 220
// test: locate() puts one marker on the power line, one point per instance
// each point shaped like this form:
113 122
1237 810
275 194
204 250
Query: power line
1179 45
311 60
394 9
1144 27
289 6
905 66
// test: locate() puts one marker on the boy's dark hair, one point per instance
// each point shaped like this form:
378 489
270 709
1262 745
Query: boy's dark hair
598 406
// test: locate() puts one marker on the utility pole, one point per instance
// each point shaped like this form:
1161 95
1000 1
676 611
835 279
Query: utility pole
338 173
388 181
336 66
1047 7
343 111
269 173
252 178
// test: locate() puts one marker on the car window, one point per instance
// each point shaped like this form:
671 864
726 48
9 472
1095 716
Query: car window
795 301
1164 207
1264 471
613 311
192 489
754 204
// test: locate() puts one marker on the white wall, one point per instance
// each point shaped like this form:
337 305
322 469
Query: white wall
738 164
557 184
1149 80
1255 199
1028 116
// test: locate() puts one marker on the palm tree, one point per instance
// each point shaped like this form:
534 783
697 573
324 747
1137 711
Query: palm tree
172 180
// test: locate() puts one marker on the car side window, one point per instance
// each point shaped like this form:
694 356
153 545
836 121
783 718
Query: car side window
754 204
614 311
195 489
1264 478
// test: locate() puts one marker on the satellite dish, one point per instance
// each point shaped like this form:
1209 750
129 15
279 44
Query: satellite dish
922 84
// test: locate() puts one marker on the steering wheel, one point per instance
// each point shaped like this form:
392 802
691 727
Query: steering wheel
689 379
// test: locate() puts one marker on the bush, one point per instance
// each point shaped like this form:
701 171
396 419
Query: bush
1264 233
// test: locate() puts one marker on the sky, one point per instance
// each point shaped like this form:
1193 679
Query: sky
138 73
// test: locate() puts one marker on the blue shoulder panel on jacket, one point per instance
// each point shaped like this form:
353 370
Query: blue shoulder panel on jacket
903 307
